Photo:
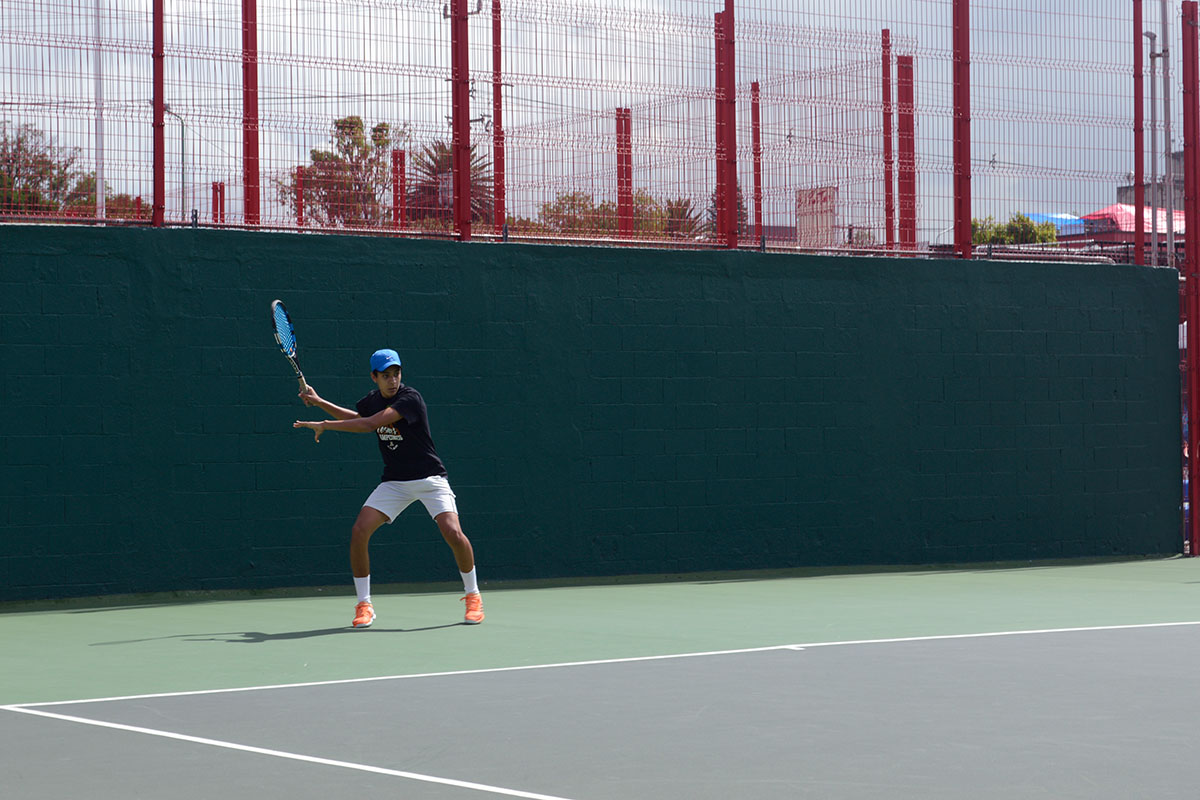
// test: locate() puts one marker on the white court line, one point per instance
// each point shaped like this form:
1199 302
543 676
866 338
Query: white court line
262 751
630 660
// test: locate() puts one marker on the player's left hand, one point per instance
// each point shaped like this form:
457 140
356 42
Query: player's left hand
317 427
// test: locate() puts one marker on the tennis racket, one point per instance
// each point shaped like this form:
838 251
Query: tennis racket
285 337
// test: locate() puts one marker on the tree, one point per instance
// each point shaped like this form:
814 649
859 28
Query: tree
682 219
743 224
1019 229
347 186
578 213
37 177
431 199
81 203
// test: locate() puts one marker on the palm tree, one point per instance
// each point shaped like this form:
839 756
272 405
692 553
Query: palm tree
682 219
347 185
431 198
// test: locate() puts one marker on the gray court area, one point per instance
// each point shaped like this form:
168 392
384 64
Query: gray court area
1096 711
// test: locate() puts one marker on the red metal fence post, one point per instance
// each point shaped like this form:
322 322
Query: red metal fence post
731 176
250 173
158 211
1139 140
889 177
756 149
719 222
300 197
399 194
222 197
624 173
1191 124
461 120
215 217
962 128
497 126
907 180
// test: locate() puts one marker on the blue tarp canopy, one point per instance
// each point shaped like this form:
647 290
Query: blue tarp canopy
1064 224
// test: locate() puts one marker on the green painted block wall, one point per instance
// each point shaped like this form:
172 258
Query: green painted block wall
601 411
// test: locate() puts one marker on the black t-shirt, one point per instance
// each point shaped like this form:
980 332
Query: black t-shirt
406 445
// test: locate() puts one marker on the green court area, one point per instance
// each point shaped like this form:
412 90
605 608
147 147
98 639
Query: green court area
79 651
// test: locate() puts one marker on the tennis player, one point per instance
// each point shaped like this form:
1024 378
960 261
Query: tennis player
411 471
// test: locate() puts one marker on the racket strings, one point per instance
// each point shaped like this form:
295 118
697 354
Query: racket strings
284 332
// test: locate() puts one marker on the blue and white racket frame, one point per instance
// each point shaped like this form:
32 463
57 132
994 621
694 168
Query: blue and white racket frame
285 337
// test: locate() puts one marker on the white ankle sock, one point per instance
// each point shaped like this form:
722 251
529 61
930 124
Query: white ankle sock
470 584
363 587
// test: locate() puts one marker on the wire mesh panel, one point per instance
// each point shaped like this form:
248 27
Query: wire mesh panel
75 78
600 119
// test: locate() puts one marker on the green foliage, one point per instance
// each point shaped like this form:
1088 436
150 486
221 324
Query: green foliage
1019 229
40 179
346 186
682 220
577 213
431 198
37 178
743 223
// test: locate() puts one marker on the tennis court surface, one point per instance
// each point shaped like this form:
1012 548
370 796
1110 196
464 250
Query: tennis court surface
1038 682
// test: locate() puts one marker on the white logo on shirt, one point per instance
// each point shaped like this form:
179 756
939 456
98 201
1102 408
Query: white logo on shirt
390 435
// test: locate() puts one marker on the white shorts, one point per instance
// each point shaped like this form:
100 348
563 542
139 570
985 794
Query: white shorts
392 497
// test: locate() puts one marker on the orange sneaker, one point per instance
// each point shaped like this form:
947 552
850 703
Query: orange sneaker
364 614
474 614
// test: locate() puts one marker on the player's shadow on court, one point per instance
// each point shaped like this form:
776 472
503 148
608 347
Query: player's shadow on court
259 637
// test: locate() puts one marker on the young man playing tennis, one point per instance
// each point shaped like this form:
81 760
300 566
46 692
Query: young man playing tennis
411 471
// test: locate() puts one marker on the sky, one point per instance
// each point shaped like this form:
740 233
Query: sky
1051 102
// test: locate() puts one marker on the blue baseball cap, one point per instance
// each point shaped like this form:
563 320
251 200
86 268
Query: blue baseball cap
382 359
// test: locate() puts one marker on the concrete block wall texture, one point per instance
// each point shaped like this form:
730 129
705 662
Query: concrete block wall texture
600 411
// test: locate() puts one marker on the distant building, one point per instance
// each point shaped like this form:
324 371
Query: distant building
1156 195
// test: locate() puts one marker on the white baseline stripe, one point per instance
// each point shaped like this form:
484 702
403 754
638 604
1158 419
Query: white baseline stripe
630 660
262 751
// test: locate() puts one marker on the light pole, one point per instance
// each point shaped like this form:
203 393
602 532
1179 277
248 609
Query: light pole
1169 165
182 166
1153 152
101 213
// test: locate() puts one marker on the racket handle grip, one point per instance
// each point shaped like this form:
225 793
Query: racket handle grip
303 385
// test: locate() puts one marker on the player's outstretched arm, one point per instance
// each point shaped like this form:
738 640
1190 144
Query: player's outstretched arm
355 425
311 398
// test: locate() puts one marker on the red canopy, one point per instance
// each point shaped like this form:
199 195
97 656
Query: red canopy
1120 217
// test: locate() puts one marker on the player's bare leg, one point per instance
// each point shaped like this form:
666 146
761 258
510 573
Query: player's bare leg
368 521
464 556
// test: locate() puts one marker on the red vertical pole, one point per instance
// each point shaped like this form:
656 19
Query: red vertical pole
731 176
158 211
756 144
907 182
889 178
962 128
215 218
1191 128
498 177
624 173
222 202
720 228
399 195
1139 140
300 197
250 173
461 119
